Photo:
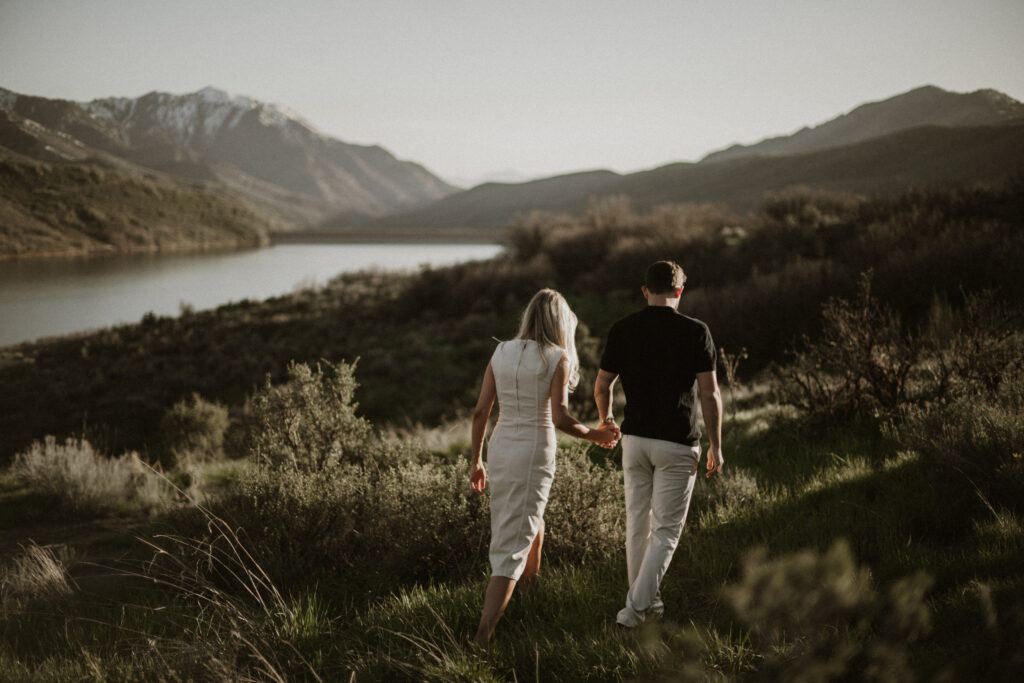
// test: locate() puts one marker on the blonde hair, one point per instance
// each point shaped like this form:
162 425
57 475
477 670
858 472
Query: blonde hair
550 322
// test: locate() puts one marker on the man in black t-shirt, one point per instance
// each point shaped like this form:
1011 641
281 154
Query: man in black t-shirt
665 361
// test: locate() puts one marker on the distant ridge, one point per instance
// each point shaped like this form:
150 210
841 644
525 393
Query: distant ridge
491 205
925 106
926 136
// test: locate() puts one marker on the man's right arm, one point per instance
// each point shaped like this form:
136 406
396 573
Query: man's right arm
603 393
711 407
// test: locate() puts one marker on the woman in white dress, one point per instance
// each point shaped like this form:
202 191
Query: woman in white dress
531 377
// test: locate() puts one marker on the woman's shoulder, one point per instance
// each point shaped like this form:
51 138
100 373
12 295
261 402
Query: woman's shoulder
555 354
508 347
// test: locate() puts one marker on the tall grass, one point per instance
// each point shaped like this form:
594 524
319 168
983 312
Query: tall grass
243 627
34 574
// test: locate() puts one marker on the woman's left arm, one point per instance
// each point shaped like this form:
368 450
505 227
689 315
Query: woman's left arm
481 414
606 435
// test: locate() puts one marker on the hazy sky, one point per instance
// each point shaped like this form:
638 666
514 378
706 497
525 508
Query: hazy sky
471 87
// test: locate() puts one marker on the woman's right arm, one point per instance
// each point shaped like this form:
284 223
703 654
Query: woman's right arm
606 435
481 414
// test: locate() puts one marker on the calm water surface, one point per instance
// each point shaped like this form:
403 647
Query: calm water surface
42 298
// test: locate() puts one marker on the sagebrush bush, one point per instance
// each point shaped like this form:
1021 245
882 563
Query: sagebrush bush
585 516
861 363
309 423
363 526
193 431
980 348
816 617
980 433
88 483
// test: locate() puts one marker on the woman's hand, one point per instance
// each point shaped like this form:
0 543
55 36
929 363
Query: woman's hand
715 461
478 477
605 436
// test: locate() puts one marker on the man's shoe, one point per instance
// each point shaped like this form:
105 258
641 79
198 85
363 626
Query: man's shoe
629 618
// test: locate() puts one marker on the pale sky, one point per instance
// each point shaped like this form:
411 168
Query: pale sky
470 87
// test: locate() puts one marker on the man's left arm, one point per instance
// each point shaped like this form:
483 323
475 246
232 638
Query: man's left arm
711 407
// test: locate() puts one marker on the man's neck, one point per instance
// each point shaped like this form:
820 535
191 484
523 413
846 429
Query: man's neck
658 300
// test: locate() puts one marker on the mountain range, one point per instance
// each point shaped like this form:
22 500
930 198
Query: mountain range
262 153
239 168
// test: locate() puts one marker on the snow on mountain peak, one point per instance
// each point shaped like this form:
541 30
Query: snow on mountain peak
269 114
189 119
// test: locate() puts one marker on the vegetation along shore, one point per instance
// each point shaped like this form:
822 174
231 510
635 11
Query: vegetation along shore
278 490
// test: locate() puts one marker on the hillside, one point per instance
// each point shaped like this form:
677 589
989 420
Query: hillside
925 106
51 209
869 522
915 157
261 153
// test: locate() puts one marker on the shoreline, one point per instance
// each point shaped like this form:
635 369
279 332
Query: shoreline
389 236
411 236
194 247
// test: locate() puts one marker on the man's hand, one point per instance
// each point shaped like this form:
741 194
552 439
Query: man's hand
715 461
605 435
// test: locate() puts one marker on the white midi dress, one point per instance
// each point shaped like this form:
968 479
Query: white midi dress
521 454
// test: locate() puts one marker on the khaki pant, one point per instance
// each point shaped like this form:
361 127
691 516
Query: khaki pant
659 477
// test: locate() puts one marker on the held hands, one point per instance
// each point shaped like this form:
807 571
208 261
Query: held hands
715 462
605 435
478 477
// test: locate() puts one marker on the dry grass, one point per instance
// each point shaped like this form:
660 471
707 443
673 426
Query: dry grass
34 574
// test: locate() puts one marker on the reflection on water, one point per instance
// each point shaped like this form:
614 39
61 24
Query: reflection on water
40 298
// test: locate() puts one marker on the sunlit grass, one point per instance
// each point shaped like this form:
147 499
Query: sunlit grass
850 486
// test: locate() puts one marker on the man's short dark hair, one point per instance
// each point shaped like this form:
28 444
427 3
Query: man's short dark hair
664 277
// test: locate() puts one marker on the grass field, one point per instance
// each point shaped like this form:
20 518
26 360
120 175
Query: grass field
821 554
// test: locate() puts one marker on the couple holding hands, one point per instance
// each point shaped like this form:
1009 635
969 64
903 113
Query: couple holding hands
666 363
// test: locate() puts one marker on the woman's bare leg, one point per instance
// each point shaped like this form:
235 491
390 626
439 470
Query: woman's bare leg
499 592
528 581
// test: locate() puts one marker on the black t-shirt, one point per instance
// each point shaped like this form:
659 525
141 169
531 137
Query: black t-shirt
657 353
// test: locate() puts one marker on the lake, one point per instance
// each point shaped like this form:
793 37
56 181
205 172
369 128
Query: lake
43 298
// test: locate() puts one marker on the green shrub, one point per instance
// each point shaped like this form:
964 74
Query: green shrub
816 617
309 423
193 431
88 483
